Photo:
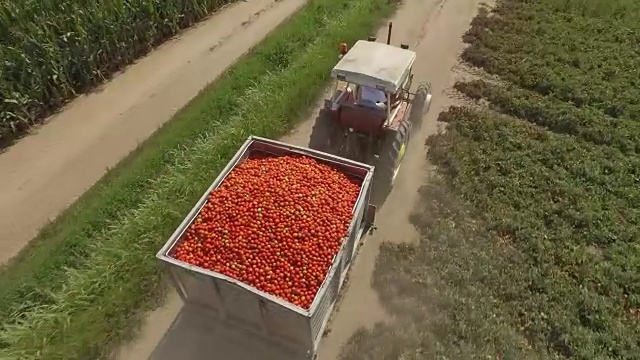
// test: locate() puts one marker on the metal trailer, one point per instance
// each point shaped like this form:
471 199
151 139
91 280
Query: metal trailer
241 305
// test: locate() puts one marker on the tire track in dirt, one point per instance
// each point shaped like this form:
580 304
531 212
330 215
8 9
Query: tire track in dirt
425 26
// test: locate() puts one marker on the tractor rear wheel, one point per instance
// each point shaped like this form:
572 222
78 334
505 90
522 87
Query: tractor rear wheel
324 129
420 105
390 158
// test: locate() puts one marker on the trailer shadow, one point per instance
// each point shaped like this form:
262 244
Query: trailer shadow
199 335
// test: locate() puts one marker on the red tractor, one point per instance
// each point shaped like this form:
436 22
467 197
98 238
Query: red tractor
372 111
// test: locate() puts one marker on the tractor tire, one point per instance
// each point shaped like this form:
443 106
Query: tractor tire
324 129
420 105
388 163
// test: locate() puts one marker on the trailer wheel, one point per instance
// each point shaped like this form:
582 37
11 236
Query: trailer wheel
420 105
392 151
324 129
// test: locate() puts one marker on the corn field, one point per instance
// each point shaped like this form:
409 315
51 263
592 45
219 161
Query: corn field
51 50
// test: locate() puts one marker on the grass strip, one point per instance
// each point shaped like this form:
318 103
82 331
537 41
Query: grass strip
114 273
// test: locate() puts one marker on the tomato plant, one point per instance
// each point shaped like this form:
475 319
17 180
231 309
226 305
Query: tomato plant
275 223
530 226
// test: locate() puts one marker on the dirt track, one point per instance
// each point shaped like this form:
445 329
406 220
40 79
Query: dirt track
44 173
433 28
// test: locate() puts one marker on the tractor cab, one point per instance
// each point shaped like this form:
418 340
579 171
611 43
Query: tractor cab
372 81
371 113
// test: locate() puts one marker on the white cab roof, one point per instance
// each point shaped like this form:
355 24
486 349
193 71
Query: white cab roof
375 64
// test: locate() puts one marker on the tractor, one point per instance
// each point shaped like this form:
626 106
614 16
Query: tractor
372 111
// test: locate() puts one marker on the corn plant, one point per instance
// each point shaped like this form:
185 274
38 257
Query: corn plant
50 50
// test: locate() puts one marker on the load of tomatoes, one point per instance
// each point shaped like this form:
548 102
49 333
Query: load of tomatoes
275 223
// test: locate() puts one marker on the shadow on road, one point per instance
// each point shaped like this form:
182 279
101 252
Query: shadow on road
198 335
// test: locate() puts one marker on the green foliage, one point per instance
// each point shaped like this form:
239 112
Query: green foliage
50 50
565 191
566 207
556 115
82 284
530 229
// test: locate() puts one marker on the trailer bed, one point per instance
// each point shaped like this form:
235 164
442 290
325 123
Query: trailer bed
250 309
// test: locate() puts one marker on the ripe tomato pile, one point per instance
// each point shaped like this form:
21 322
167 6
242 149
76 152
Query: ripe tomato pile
275 223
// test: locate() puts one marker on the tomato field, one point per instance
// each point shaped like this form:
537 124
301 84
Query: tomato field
531 225
275 223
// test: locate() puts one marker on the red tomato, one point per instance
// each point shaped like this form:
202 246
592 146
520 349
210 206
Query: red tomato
275 223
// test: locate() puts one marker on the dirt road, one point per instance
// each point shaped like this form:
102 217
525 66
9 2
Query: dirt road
433 28
44 173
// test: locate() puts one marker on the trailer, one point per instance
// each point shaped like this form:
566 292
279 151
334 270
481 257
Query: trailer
245 307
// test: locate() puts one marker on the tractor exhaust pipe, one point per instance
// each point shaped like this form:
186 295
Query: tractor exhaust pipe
389 33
